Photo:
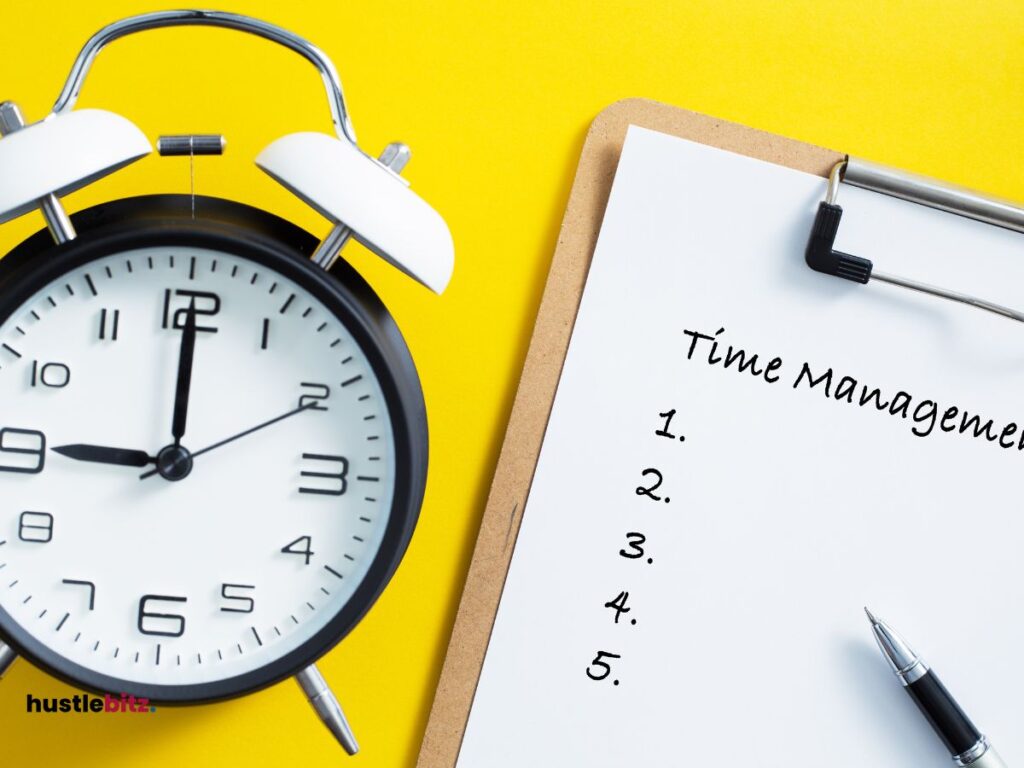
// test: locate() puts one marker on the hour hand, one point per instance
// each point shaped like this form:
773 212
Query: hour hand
101 454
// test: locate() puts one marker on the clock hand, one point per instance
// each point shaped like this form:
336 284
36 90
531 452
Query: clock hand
240 435
185 357
101 454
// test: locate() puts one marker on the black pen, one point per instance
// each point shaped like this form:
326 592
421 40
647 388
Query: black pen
965 742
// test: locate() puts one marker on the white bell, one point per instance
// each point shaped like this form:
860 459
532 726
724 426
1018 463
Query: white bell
349 188
62 153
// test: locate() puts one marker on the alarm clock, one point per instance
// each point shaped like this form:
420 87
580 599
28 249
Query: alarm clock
213 440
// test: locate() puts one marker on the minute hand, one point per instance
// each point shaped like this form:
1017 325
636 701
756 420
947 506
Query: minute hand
240 435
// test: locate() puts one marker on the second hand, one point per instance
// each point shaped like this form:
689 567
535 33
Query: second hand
240 435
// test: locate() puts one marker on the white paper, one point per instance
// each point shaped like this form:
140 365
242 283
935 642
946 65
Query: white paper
789 510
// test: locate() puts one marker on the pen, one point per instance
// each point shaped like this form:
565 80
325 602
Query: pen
965 742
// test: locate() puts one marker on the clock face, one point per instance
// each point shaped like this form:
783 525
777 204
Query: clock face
245 542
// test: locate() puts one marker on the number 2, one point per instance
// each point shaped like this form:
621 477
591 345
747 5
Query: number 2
650 491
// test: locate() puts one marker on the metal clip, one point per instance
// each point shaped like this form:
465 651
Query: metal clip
822 256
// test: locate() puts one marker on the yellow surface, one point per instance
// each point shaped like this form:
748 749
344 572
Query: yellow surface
494 99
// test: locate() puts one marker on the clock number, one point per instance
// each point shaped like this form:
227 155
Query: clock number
603 667
164 621
36 527
207 305
53 375
341 476
110 319
89 584
246 601
318 394
16 445
292 549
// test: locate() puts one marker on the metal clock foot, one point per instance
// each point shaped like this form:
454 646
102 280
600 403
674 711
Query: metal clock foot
326 705
7 658
394 157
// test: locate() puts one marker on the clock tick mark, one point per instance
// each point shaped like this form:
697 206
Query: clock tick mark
213 266
69 289
158 654
324 590
353 380
239 647
52 302
369 499
373 458
266 333
62 622
199 658
311 606
332 571
364 397
294 619
110 274
368 478
12 350
43 613
96 647
23 602
347 360
322 326
371 438
256 635
220 656
349 557
360 540
117 651
273 288
128 264
179 659
91 284
366 519
78 636
192 268
35 315
307 312
11 585
149 261
371 417
255 277
136 657
170 260
287 303
335 343
234 271
19 330
278 631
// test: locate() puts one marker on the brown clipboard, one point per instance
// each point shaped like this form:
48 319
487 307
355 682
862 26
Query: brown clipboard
541 373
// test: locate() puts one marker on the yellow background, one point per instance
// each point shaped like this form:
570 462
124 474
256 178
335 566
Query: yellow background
494 99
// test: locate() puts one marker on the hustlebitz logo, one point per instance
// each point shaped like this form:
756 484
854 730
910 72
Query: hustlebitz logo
85 704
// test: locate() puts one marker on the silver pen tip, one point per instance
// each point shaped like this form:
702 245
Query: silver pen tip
871 616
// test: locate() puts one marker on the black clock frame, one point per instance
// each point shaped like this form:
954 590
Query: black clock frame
266 239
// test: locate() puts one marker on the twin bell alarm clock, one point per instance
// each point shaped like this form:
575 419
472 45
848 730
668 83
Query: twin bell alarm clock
213 440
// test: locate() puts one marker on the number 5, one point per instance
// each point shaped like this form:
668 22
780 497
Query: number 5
604 667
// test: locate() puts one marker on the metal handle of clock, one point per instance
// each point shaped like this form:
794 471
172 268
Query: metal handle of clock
185 18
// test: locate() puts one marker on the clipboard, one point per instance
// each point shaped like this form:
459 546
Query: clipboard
554 328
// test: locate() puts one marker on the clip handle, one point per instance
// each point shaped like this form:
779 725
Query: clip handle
183 18
821 255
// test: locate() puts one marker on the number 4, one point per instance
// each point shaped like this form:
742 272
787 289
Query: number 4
307 541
